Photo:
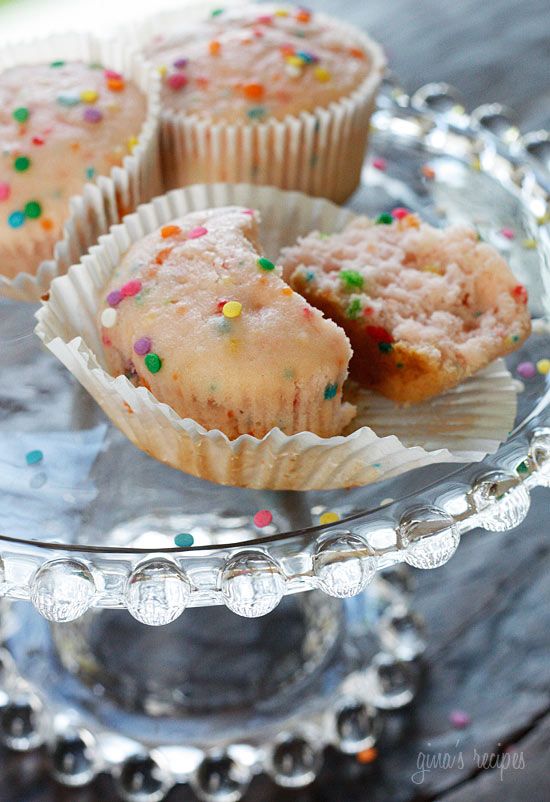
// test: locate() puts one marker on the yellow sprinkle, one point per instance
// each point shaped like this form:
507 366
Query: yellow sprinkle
287 291
322 74
475 164
89 96
328 518
232 309
433 269
529 244
132 142
543 219
294 61
163 69
281 12
543 366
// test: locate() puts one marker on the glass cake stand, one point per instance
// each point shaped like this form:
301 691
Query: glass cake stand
87 555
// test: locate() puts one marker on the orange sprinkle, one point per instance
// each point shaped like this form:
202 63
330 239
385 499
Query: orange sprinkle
161 255
128 408
367 755
170 231
428 172
287 291
46 223
214 47
356 53
287 50
253 91
303 16
75 146
409 221
116 84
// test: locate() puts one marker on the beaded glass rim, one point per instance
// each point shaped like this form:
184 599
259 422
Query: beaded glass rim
422 529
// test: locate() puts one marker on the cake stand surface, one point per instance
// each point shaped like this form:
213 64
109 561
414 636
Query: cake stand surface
89 524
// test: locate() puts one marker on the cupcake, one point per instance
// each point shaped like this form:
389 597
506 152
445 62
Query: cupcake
61 125
199 316
424 308
265 94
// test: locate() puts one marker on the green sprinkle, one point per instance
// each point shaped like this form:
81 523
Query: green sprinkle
34 457
515 338
330 391
21 114
354 309
385 348
384 219
216 12
153 363
22 163
523 467
310 275
352 278
90 172
33 210
256 112
265 264
55 64
184 540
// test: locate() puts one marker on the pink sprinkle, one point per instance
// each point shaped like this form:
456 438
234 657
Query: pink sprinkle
526 370
262 518
509 233
5 191
400 212
379 164
197 232
114 298
111 75
130 288
460 719
176 81
248 211
264 19
143 346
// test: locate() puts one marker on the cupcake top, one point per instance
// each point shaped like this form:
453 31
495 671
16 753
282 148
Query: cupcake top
259 62
197 314
61 125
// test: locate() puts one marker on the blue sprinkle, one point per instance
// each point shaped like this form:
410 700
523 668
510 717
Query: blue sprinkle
34 457
330 391
90 172
184 540
310 275
256 112
309 58
68 100
16 219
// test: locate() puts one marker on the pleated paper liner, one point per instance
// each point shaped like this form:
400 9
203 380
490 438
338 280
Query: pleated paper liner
109 198
463 424
320 152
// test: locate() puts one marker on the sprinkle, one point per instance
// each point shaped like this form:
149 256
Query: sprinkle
21 115
114 298
330 391
543 366
294 61
352 279
256 112
520 293
5 190
131 288
22 163
46 223
385 348
34 457
356 53
287 292
529 244
143 346
92 115
170 231
108 317
379 164
184 540
523 467
197 232
280 12
384 219
354 309
38 141
526 370
328 518
68 100
16 219
379 334
400 212
214 47
322 74
112 75
294 72
303 15
32 210
180 63
262 518
216 12
265 264
253 91
459 719
153 363
55 64
367 756
428 172
177 81
508 233
89 96
232 309
116 84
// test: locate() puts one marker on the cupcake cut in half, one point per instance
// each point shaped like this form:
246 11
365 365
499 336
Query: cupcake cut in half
62 124
200 317
423 308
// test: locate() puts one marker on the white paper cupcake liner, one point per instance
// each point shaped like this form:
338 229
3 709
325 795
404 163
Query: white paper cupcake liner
320 153
109 198
461 425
